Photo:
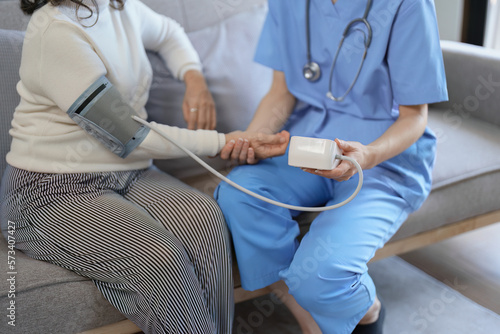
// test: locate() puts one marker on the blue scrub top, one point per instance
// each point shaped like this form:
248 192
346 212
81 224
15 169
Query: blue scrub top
403 66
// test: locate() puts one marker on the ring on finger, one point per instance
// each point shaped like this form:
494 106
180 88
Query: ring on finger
193 109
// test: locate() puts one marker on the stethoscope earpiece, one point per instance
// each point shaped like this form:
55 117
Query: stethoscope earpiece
311 71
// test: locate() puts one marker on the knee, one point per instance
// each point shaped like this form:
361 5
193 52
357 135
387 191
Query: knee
160 255
339 293
206 211
234 203
223 194
199 210
228 196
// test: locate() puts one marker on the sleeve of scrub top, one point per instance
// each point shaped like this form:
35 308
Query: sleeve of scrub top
268 47
414 55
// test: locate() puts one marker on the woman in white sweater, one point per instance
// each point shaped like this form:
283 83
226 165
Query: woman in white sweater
157 249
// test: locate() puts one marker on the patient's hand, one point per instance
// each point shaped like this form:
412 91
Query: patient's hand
247 147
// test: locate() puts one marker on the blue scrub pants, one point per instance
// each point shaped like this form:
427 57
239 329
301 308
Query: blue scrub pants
327 271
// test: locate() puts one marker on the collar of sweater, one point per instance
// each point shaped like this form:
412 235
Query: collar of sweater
81 14
101 4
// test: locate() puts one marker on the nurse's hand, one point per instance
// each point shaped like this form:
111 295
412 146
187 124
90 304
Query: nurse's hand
249 148
345 170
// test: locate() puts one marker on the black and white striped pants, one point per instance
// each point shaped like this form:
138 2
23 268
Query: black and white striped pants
157 249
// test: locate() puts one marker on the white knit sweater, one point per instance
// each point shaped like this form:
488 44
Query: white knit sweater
63 55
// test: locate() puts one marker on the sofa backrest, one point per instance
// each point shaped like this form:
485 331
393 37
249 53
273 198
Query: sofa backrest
194 15
191 14
10 58
11 16
473 78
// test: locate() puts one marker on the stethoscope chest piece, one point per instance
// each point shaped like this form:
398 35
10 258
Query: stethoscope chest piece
311 71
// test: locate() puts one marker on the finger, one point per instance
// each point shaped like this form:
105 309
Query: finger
209 114
325 173
193 116
226 150
202 117
277 149
251 159
185 112
285 135
335 174
322 172
344 145
244 152
213 117
342 172
237 149
311 171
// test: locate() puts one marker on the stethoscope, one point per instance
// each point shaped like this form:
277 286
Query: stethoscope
312 71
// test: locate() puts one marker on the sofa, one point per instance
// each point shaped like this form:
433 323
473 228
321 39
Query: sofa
42 298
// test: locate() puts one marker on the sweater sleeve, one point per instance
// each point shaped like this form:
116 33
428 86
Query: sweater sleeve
165 36
69 65
200 142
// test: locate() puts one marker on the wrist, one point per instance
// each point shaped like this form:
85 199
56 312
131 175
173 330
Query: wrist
254 128
233 136
222 138
194 78
373 156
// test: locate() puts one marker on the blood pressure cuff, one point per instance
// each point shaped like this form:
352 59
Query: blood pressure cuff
103 113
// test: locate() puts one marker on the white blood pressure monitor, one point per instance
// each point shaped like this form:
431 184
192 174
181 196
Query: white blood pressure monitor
315 153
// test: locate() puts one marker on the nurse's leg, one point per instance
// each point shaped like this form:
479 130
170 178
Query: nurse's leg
264 235
328 275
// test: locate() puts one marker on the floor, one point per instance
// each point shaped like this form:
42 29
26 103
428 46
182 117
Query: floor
469 263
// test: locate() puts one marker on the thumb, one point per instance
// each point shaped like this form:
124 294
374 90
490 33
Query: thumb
285 136
344 145
271 139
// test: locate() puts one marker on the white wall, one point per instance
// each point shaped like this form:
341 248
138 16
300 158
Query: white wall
450 16
492 33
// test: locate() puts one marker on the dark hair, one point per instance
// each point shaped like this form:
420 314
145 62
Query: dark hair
29 6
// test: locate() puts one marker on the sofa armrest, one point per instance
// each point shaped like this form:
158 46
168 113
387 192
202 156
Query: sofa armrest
473 77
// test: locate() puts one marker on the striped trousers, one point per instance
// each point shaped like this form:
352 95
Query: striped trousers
157 249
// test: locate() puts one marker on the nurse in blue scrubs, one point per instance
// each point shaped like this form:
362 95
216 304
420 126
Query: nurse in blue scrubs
387 68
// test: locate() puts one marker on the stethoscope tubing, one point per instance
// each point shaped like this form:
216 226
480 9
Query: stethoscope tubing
312 70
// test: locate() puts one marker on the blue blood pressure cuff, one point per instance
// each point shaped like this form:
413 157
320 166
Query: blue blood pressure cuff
103 113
